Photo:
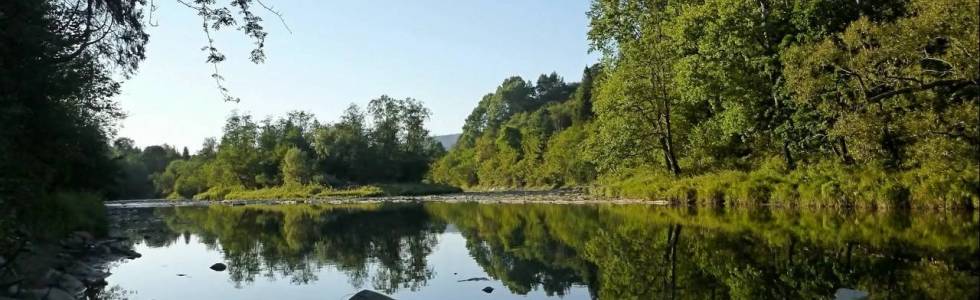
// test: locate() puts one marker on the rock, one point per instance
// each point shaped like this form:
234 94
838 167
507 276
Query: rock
84 235
66 282
50 294
103 249
13 289
219 267
487 290
849 294
370 295
73 241
181 275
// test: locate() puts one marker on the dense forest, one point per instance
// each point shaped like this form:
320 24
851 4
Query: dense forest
866 103
295 153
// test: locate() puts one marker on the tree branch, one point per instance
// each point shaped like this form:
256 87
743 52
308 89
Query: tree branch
913 89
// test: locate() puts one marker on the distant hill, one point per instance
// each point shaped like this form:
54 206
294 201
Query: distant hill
448 140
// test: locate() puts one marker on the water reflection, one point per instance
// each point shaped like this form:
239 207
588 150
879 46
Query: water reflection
617 252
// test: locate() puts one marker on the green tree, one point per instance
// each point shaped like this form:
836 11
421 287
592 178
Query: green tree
297 169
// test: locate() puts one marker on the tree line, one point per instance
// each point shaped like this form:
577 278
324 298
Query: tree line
803 94
386 143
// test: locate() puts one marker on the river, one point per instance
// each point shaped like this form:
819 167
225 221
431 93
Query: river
436 250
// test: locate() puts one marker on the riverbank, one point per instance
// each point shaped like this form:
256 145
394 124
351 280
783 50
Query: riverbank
74 267
819 185
558 196
314 191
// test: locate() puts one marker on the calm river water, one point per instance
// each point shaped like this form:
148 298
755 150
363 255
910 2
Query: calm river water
539 251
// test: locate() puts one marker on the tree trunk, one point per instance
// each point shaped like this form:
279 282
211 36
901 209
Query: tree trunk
790 162
844 154
669 141
670 161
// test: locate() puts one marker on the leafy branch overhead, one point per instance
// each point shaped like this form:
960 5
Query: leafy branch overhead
114 31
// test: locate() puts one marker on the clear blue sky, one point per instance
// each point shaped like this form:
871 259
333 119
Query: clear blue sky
446 54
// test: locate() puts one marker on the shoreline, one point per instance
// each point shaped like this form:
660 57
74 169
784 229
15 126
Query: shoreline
559 197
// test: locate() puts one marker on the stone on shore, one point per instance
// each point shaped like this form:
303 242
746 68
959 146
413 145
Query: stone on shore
50 294
66 282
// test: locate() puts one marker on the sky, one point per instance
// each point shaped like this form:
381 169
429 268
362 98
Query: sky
447 54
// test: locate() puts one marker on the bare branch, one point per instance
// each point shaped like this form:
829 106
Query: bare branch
277 13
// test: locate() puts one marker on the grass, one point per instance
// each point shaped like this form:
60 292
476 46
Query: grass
820 184
322 192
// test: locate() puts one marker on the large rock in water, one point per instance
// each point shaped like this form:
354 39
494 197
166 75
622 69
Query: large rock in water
370 295
219 267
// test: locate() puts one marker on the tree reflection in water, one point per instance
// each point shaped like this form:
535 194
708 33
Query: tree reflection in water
618 252
296 241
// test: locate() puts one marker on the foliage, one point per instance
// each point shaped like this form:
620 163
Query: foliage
61 213
523 135
296 156
699 99
140 169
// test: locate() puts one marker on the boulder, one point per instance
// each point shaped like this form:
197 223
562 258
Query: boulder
488 290
84 235
66 282
219 267
50 294
73 241
370 295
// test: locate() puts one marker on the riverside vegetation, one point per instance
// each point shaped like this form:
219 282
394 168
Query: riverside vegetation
828 103
870 103
294 156
865 103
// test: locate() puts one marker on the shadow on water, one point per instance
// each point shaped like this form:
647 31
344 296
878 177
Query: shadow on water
616 251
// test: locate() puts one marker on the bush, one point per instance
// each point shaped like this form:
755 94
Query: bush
63 212
819 184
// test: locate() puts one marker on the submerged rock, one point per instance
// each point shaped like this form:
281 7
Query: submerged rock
370 295
219 267
488 290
